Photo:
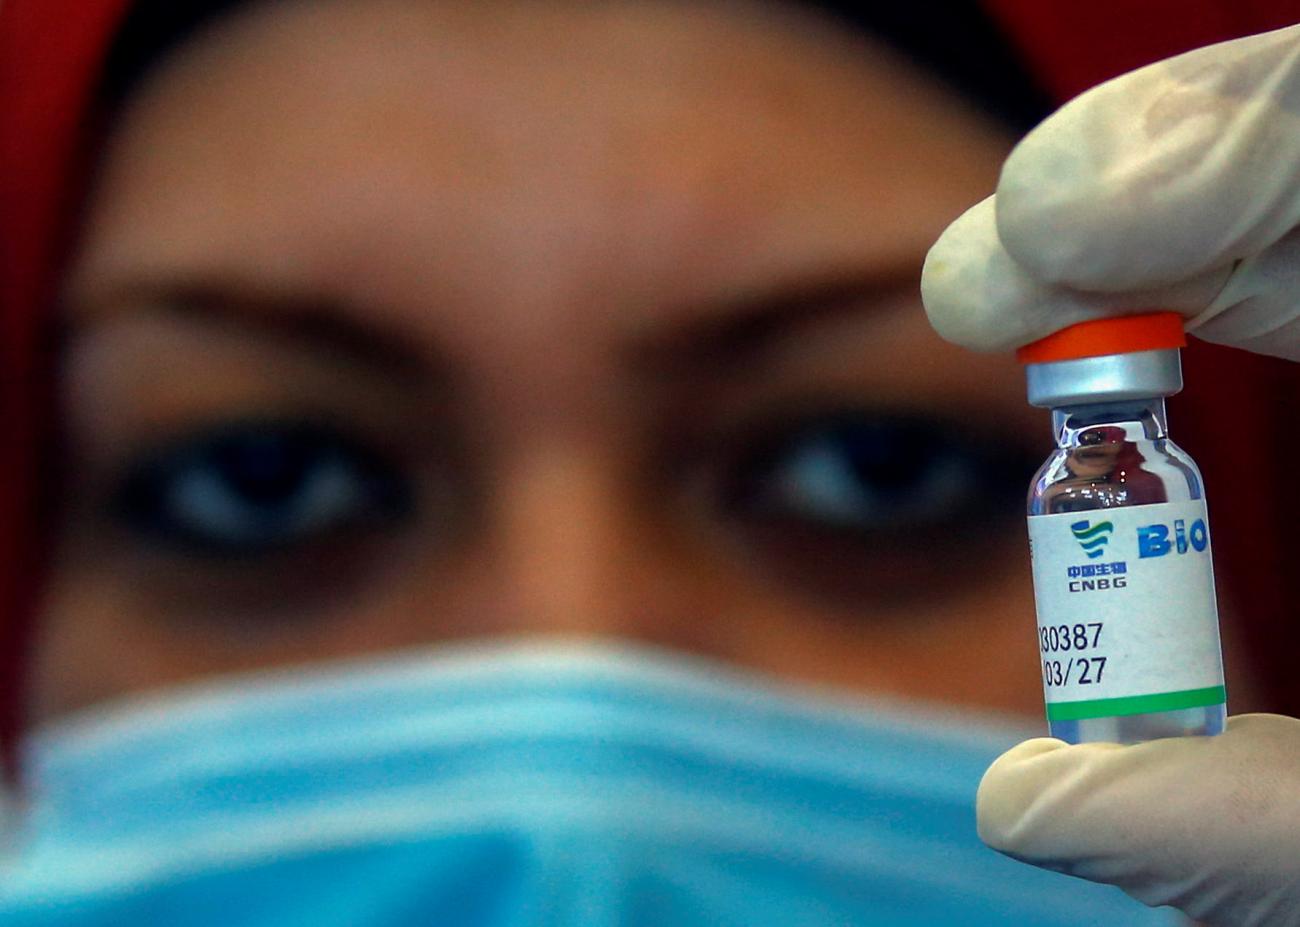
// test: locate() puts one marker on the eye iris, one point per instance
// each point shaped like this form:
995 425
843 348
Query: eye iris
862 475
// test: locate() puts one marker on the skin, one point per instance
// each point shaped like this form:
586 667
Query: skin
518 250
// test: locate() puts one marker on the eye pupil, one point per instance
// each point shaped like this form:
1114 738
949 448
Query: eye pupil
887 458
265 468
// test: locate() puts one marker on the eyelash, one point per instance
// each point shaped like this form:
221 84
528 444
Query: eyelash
937 500
243 489
872 472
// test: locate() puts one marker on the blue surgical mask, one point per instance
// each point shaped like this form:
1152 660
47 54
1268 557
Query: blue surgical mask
523 786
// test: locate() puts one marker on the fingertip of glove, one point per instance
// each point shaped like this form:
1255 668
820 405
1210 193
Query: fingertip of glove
958 272
1008 788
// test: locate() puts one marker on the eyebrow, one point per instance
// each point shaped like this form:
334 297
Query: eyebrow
715 338
720 338
315 322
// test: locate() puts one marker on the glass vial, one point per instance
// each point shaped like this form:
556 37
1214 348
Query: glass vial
1128 633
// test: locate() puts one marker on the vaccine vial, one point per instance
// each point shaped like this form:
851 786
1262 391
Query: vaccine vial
1128 629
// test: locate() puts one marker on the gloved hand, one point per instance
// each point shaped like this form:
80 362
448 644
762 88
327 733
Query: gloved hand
1210 825
1174 187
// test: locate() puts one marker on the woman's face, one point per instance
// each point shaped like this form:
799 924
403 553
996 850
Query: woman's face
396 322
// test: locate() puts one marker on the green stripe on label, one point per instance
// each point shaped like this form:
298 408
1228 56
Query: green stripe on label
1136 704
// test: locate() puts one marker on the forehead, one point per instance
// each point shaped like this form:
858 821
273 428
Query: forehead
570 158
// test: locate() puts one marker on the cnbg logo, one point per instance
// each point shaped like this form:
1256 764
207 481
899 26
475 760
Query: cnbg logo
1092 538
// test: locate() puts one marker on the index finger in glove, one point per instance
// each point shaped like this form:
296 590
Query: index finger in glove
1170 171
1210 825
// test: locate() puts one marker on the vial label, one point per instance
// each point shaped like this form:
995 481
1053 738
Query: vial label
1127 622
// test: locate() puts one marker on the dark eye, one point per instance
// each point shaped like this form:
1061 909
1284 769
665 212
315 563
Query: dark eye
863 509
252 488
866 474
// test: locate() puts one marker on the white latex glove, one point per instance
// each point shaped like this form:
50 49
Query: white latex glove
1176 186
1210 825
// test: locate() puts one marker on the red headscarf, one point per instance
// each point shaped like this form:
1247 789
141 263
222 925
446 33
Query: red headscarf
50 57
51 53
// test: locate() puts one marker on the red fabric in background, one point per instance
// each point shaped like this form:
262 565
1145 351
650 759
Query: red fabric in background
51 52
1071 46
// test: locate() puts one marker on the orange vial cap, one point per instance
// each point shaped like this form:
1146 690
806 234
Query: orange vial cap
1124 334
